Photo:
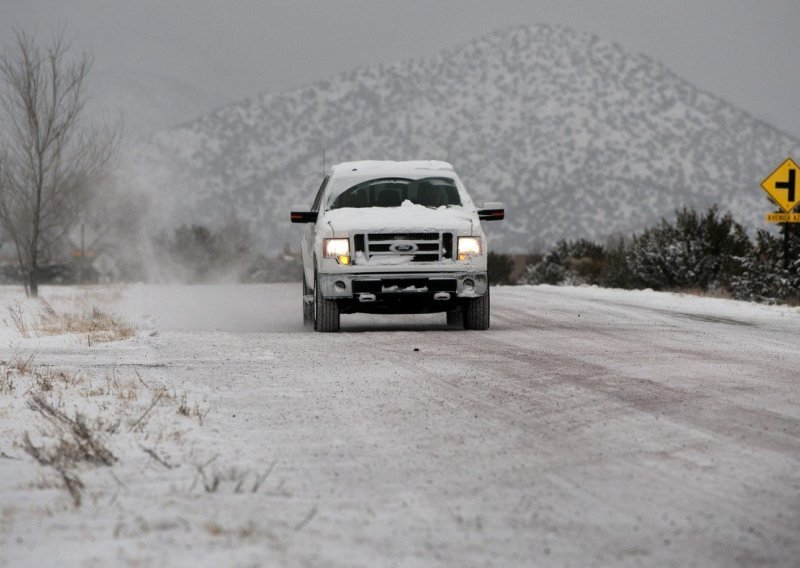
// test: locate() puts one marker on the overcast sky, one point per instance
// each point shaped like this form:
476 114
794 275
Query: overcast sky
745 51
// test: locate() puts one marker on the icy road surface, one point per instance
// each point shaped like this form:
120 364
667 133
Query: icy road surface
587 427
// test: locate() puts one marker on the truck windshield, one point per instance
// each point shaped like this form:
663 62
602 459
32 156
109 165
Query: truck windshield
391 192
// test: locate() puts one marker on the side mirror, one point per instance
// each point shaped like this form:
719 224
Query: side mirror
492 211
300 215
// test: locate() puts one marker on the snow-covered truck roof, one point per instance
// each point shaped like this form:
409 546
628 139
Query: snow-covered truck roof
386 168
348 174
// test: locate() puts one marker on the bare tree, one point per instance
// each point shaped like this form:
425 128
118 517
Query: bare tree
49 159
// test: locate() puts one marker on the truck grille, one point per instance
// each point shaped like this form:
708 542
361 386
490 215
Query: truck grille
421 247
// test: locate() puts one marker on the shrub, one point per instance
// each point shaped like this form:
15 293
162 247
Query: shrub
764 278
572 262
615 273
696 251
203 255
499 267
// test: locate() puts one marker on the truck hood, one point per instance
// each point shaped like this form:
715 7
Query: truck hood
407 217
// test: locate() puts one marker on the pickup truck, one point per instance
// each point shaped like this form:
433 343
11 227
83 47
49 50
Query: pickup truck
394 237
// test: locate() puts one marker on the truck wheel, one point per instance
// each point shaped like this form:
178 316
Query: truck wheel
326 312
476 312
455 317
308 307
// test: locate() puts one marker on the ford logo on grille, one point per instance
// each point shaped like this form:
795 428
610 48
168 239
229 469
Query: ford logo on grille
403 246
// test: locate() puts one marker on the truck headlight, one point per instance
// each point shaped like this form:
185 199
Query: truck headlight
468 247
338 249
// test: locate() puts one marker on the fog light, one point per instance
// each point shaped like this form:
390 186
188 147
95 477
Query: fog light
469 284
340 285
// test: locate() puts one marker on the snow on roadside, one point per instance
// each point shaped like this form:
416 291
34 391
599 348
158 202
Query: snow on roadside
99 435
676 302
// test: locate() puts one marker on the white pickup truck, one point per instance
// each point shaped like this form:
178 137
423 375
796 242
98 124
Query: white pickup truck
394 237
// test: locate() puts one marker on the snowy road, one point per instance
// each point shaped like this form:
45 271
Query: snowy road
587 427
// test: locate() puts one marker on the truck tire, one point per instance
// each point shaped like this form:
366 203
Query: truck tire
326 312
308 307
455 317
476 312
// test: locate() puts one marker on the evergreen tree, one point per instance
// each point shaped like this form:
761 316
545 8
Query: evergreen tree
764 278
615 273
499 267
697 251
571 262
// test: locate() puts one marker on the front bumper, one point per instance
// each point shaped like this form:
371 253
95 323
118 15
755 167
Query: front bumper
458 284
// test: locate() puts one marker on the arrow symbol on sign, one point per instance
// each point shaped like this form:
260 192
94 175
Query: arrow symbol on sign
788 185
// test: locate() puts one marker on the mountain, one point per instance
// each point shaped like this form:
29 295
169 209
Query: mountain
577 136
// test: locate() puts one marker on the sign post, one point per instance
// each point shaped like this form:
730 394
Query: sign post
782 186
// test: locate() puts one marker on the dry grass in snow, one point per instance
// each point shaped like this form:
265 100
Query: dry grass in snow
98 325
74 422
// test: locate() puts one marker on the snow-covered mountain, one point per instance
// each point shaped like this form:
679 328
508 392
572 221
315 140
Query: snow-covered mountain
578 137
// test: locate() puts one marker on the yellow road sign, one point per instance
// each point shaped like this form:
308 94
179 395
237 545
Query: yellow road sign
783 185
783 217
